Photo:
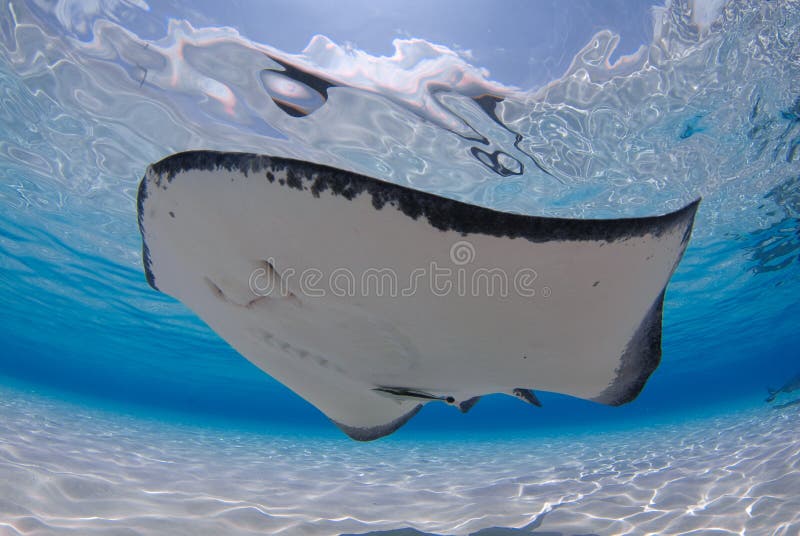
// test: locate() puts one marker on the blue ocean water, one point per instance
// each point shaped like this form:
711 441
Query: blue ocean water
607 110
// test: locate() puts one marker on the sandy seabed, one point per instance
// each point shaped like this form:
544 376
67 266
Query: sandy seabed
69 469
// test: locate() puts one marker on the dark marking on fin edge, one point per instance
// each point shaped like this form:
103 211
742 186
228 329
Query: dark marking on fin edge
641 357
141 196
441 213
376 432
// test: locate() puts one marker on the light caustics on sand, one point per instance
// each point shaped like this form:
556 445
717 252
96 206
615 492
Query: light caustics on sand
68 469
369 358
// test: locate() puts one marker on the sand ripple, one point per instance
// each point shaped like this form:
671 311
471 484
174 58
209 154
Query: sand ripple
71 470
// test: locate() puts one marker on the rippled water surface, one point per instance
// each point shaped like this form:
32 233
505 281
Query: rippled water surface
599 109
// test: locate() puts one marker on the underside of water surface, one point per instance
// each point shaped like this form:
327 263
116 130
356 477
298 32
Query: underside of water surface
123 413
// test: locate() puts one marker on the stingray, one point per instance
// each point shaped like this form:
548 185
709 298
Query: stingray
791 385
369 299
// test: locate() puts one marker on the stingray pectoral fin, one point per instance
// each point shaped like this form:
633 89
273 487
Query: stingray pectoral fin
362 414
640 358
372 432
359 411
280 349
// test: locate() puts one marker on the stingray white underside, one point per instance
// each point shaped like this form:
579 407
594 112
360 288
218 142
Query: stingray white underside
233 236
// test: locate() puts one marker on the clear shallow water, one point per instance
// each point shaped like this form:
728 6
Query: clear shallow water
689 105
67 468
